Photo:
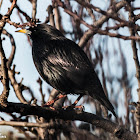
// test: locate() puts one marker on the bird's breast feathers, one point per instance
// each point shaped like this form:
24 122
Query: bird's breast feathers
64 66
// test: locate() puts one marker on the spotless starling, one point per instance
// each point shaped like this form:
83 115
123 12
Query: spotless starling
64 65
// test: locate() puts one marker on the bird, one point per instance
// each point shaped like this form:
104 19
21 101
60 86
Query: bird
64 65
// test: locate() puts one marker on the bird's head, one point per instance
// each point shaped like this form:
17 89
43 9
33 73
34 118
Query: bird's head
42 30
29 31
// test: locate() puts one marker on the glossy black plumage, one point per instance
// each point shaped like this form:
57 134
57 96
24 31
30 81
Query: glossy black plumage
64 65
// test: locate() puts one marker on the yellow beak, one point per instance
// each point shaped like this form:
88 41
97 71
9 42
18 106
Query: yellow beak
22 31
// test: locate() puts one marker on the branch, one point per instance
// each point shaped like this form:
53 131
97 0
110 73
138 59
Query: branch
11 57
137 17
25 109
5 80
96 30
3 20
39 81
51 16
137 65
1 3
23 13
104 32
17 87
62 127
93 29
90 6
57 17
84 39
34 5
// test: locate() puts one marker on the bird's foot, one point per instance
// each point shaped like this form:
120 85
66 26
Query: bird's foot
50 103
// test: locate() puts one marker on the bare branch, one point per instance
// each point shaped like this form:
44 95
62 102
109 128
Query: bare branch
11 57
34 5
52 126
137 64
39 81
83 41
5 80
1 3
107 125
16 86
23 13
3 20
57 17
51 16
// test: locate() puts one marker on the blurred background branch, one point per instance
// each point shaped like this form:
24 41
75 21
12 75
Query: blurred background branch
104 30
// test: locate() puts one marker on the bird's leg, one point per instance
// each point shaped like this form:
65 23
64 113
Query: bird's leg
52 101
77 100
74 104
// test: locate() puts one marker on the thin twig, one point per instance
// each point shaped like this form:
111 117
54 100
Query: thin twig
51 16
39 81
57 17
1 3
34 6
11 57
3 20
17 88
84 39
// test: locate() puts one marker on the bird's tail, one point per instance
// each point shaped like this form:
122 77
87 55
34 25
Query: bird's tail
106 103
96 91
101 97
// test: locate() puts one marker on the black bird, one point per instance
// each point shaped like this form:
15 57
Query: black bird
64 65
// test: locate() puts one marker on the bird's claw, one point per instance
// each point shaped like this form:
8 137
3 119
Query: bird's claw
50 103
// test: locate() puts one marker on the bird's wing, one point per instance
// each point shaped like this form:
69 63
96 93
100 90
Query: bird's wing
69 64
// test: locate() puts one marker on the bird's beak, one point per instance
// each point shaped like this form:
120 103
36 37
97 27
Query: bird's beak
25 31
22 31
